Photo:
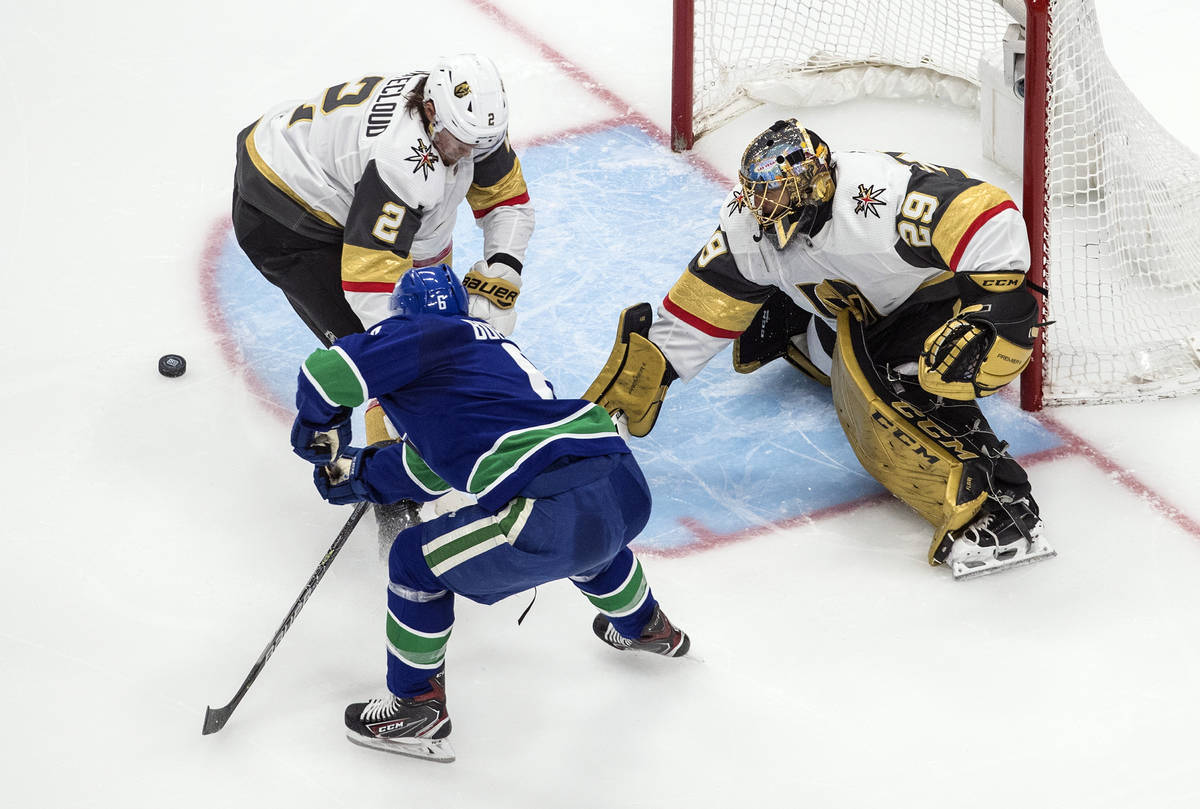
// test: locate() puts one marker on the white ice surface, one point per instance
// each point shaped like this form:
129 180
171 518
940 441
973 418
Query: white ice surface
155 531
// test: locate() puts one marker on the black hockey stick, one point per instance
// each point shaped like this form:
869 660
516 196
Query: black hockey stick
214 720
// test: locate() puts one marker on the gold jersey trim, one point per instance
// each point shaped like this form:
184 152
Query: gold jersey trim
961 214
361 265
512 184
711 305
278 182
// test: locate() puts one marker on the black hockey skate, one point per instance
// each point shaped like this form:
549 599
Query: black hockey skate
1006 533
658 637
416 726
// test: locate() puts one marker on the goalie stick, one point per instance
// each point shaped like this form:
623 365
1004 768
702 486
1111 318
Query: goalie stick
214 720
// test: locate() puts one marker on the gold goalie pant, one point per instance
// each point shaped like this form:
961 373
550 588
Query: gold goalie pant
940 458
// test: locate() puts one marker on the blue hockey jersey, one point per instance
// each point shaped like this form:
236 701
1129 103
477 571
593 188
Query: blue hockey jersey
477 415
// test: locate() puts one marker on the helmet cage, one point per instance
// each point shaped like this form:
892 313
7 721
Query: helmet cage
786 157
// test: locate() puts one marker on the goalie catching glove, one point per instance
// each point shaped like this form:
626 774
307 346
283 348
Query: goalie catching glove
492 291
635 378
982 348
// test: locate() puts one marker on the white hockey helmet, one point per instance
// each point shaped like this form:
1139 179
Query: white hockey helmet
468 99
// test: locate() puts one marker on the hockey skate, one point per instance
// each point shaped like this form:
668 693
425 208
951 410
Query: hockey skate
416 726
658 637
1007 533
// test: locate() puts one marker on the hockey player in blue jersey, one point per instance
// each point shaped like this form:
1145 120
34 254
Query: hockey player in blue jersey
559 495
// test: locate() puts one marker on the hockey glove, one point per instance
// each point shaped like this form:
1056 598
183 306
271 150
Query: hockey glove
321 443
492 292
341 482
634 380
980 350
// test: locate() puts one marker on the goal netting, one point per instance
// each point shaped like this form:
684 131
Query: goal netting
1112 206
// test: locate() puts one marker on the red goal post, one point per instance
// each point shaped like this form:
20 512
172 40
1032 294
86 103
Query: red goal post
1110 198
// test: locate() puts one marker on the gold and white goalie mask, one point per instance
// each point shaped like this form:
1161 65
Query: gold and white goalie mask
785 176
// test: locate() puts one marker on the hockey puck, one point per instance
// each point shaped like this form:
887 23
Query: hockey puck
171 365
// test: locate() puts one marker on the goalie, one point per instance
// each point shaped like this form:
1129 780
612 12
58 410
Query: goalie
899 284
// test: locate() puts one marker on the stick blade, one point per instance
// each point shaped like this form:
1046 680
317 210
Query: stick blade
215 720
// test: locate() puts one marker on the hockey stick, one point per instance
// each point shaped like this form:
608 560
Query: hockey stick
214 720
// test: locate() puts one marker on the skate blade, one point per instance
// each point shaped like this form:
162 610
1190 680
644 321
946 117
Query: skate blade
1040 553
438 750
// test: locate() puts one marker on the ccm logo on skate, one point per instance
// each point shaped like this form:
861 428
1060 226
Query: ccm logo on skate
386 727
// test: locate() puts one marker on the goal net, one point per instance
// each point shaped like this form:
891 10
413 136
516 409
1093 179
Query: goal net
1110 197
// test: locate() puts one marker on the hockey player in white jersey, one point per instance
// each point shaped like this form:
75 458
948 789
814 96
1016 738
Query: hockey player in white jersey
336 197
901 285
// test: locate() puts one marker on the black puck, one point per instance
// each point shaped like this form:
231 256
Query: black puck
171 365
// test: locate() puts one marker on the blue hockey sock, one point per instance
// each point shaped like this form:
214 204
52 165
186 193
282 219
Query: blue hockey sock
622 593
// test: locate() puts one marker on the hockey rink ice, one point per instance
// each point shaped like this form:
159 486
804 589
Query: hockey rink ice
159 529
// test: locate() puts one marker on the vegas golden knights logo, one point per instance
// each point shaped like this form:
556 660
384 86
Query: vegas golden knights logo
462 89
832 296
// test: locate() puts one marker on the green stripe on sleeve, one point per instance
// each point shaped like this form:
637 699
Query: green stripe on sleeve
335 377
420 472
508 453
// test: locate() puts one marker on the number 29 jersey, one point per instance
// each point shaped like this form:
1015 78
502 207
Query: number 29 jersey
894 225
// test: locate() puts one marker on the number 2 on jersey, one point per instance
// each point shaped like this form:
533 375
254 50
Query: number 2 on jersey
387 226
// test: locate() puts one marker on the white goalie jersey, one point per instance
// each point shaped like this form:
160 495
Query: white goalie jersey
894 224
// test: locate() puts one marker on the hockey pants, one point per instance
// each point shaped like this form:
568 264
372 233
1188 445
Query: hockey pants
575 520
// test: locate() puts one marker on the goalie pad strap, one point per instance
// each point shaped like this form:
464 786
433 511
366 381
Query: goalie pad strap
636 375
503 294
918 461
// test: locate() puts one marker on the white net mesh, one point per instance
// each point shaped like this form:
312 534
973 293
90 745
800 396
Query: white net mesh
1122 242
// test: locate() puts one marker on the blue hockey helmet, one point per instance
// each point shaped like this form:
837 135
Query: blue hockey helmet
432 290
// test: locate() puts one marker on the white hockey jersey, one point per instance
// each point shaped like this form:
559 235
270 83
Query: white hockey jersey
894 225
353 165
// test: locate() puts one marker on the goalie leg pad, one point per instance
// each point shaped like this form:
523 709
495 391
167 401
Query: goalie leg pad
635 377
918 461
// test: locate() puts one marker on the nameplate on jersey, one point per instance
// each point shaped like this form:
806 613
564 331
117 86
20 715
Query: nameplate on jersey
485 332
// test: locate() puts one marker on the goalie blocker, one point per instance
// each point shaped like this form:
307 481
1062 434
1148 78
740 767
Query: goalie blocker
635 378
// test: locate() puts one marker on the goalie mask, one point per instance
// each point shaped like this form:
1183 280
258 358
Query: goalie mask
785 172
428 290
468 100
